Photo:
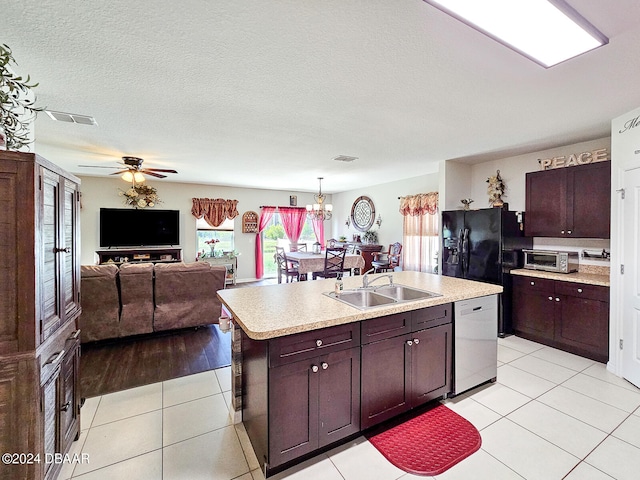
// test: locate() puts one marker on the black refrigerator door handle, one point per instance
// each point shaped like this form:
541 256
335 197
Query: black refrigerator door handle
465 252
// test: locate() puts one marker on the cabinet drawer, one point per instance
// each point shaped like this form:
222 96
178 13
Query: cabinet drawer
431 317
54 349
581 290
534 284
386 327
305 345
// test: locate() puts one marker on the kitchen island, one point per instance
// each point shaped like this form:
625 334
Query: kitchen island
316 371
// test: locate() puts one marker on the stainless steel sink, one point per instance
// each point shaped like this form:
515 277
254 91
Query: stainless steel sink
362 298
403 293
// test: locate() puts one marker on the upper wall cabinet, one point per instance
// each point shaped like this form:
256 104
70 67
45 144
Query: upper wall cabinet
569 202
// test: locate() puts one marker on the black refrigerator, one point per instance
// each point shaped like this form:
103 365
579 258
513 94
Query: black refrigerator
485 245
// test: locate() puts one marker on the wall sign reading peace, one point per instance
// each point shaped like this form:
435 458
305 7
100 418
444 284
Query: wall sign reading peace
363 213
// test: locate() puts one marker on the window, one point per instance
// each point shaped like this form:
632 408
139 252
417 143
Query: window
223 233
274 236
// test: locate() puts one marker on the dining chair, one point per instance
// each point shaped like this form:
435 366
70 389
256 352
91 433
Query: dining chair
332 243
390 260
285 267
333 263
298 247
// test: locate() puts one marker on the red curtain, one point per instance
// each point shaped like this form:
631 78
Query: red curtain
292 220
265 216
318 230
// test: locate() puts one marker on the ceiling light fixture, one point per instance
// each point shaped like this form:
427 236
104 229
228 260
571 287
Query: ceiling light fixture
319 211
133 177
545 31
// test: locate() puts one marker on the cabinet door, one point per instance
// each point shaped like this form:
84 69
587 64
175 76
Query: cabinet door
583 326
293 410
50 310
339 391
51 420
431 353
69 251
589 213
385 380
534 308
546 194
70 394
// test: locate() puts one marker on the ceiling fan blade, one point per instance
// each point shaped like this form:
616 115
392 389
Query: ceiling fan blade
158 170
120 171
153 174
96 166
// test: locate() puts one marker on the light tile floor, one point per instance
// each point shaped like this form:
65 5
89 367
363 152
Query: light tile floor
551 415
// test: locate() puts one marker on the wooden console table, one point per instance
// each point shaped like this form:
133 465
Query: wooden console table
117 256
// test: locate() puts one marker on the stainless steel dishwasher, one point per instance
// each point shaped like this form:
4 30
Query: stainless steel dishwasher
475 342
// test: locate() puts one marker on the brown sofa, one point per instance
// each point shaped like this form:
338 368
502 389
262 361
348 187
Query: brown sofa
144 298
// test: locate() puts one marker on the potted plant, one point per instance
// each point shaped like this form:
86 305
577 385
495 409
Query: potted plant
370 237
17 108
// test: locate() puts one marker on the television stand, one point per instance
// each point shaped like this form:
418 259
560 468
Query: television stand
118 256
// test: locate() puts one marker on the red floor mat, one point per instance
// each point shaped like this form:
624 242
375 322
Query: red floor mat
430 443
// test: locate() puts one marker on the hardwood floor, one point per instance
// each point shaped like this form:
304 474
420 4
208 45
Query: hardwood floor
111 366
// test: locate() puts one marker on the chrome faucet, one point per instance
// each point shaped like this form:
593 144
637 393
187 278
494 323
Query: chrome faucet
366 282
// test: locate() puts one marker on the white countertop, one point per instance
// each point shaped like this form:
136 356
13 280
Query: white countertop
578 277
276 310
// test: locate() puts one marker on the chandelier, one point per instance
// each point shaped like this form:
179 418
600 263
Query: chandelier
319 211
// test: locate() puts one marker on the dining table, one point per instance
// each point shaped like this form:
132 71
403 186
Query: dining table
309 262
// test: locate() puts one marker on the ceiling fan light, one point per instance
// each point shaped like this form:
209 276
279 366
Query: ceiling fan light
139 177
127 176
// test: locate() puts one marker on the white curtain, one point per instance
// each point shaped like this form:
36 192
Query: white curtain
421 228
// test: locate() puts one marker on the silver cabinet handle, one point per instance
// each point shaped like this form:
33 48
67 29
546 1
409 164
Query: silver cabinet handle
318 343
65 407
325 365
550 298
569 232
416 341
533 283
74 335
314 368
409 342
562 232
579 290
557 299
55 358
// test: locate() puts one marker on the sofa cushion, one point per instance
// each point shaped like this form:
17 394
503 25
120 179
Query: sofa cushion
185 294
136 298
100 302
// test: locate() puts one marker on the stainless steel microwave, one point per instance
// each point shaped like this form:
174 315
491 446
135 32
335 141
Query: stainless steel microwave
551 261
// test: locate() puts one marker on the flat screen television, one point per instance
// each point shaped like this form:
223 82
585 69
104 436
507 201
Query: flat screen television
120 227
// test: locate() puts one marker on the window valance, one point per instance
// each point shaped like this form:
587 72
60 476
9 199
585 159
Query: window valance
420 204
214 210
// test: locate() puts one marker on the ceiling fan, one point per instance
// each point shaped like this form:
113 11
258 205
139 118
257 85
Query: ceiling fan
133 170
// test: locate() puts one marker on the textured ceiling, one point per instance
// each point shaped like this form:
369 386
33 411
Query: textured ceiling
264 93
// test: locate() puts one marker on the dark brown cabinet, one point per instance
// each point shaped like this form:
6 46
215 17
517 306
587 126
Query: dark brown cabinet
569 202
401 370
313 403
570 316
39 304
301 392
306 391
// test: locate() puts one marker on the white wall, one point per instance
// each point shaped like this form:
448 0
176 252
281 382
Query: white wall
100 192
385 199
513 170
455 184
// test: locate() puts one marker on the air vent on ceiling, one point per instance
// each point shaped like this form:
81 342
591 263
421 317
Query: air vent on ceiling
345 158
71 118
